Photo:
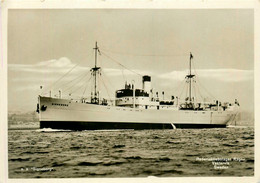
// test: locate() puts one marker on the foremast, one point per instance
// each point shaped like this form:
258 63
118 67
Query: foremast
95 71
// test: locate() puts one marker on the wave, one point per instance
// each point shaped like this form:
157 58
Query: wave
112 130
233 126
20 159
248 137
118 146
51 130
84 163
113 163
141 153
75 147
56 164
165 159
133 157
229 145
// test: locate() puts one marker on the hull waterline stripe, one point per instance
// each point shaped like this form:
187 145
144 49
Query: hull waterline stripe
114 125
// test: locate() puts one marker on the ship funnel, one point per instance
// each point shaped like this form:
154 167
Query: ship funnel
147 83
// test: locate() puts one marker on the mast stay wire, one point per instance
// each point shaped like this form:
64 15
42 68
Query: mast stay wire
183 87
90 55
119 63
186 94
105 77
178 86
61 77
75 81
122 70
105 88
198 89
200 82
67 84
124 75
80 85
195 93
144 55
86 87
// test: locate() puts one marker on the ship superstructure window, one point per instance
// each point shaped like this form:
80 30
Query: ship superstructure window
166 103
60 104
129 93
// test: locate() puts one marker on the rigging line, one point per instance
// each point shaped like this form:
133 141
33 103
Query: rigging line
103 73
124 75
105 87
68 88
73 80
77 88
72 91
195 94
145 55
200 94
182 90
120 63
202 98
69 71
86 87
179 90
212 96
178 86
206 90
197 91
62 77
186 95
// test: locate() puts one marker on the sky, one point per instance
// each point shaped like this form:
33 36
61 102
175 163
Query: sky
43 45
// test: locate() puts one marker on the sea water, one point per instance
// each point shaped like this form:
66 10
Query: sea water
129 153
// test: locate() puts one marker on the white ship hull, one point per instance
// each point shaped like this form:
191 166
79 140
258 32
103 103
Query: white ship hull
66 114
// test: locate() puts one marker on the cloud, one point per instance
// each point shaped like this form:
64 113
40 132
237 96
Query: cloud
61 66
62 62
62 72
45 71
225 75
56 65
229 75
174 75
58 73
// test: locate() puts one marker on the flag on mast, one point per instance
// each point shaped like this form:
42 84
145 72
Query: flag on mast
191 56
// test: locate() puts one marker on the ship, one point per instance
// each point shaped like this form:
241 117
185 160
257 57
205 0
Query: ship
133 109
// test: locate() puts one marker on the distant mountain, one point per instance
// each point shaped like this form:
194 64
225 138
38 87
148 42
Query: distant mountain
244 118
20 119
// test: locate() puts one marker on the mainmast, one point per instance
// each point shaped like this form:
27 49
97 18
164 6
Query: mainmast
189 77
95 70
